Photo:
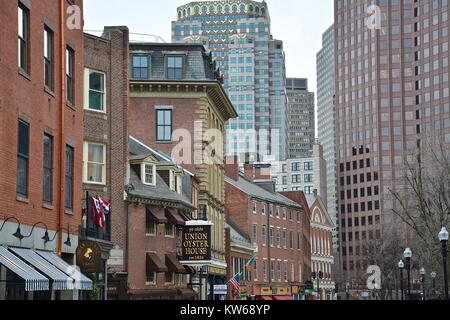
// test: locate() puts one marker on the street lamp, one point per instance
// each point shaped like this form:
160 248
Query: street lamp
408 255
401 266
433 278
443 237
422 279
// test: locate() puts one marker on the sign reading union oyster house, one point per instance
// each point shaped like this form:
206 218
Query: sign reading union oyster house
196 246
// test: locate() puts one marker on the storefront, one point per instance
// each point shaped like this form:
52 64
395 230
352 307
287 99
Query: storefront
273 292
27 274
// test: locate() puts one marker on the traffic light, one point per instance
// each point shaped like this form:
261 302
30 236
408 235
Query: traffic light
314 275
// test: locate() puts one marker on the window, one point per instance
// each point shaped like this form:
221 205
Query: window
68 198
308 178
94 163
255 270
272 270
309 166
140 66
278 212
150 278
285 269
295 167
291 240
279 270
175 68
284 213
255 233
284 238
308 190
48 58
150 225
95 86
164 125
271 210
264 209
169 277
271 236
23 153
296 178
48 170
169 230
264 235
149 172
70 56
23 32
265 270
254 207
278 237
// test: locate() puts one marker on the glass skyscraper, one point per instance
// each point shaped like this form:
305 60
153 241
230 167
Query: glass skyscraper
253 63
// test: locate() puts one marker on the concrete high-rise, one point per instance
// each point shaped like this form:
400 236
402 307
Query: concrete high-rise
327 119
301 118
392 92
237 32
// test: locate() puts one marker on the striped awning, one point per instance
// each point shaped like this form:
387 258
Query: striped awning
34 281
61 281
81 281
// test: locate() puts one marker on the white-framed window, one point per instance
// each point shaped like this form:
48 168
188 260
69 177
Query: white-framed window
278 212
278 237
179 183
172 180
284 213
264 209
265 269
94 90
279 270
300 276
284 238
169 278
286 267
94 163
271 210
292 272
148 172
272 269
254 207
150 279
169 230
264 235
150 225
255 233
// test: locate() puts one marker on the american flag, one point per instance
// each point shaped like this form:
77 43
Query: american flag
235 283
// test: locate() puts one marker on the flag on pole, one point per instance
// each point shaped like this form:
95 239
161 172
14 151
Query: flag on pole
235 282
105 205
99 215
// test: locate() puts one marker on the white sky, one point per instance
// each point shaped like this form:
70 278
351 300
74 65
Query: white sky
299 23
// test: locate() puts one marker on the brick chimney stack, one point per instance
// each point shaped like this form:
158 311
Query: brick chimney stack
248 172
232 168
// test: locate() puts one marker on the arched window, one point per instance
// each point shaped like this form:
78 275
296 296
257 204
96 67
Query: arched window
204 9
219 8
263 11
185 12
211 9
227 8
179 14
196 9
189 11
257 9
250 8
242 7
234 8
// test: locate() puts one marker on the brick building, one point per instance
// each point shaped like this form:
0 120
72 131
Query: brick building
105 147
41 97
322 258
276 226
176 96
158 204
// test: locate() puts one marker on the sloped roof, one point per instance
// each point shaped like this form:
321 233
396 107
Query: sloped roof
160 192
257 192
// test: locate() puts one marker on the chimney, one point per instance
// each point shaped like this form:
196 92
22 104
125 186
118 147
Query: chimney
248 172
263 172
232 168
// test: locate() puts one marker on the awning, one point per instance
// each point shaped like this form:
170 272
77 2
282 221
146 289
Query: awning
283 298
154 264
174 217
81 281
34 281
190 270
157 214
173 264
61 281
187 293
265 298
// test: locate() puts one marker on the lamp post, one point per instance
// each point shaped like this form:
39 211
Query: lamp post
422 279
443 237
408 255
433 278
401 266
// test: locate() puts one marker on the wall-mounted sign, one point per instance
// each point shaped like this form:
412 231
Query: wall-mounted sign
196 246
89 257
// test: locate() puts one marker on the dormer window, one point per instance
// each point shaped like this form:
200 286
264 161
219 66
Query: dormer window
149 174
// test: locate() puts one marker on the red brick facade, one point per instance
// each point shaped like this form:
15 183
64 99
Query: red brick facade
23 96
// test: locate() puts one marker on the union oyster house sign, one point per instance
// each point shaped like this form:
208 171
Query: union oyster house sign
196 245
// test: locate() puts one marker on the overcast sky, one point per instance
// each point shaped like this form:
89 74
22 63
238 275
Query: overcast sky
299 23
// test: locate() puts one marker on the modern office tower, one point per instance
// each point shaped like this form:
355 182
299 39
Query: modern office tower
302 174
253 63
301 118
327 121
392 92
